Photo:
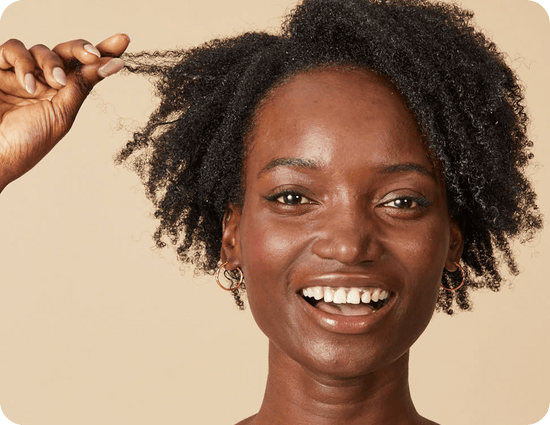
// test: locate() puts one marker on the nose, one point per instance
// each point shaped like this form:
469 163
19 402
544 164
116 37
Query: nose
349 235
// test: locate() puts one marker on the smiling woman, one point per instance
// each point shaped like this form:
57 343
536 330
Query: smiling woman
341 169
350 175
465 102
362 221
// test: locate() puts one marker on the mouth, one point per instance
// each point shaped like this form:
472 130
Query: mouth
346 301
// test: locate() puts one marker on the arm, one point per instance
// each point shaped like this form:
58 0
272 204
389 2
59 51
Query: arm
41 91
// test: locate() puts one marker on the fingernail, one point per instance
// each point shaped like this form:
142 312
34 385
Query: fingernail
30 83
59 76
127 35
91 49
111 67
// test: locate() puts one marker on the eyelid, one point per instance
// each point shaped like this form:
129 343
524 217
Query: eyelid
421 200
282 191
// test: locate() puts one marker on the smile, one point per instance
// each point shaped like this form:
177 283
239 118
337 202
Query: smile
346 301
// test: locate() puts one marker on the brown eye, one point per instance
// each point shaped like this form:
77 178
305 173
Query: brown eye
289 198
403 203
292 198
407 202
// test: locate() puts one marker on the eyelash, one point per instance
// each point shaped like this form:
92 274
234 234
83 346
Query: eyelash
276 196
420 201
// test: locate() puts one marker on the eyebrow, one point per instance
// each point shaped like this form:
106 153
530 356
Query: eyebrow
309 164
409 166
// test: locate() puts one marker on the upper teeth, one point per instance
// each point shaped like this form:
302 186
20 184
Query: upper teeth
345 295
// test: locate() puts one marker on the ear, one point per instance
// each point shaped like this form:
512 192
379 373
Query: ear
231 248
456 245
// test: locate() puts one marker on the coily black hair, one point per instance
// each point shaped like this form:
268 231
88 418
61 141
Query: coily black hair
467 100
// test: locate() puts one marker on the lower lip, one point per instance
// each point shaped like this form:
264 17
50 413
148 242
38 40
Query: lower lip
350 325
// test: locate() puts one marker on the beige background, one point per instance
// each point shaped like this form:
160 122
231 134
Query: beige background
96 327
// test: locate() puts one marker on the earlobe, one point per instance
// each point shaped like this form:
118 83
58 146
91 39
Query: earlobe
456 246
230 251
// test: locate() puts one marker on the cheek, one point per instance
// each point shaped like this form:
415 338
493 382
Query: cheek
268 248
263 260
422 258
422 248
262 249
265 256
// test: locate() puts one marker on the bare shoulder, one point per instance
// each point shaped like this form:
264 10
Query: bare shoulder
421 420
249 421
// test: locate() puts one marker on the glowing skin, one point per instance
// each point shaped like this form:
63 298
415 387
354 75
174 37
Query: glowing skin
340 192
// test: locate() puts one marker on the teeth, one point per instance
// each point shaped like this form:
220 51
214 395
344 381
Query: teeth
318 293
340 296
353 296
346 295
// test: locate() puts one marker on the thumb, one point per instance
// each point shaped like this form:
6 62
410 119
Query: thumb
80 82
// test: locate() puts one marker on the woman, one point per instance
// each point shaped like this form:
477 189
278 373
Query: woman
309 180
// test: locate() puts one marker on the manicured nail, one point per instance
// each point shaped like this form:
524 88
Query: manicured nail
127 35
30 83
111 67
91 49
59 76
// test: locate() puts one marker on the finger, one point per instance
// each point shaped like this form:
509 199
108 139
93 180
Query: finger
87 54
69 99
81 50
114 46
79 84
51 66
106 67
10 85
14 54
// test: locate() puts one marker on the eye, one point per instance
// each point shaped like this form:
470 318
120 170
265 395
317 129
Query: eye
289 197
407 203
403 203
292 198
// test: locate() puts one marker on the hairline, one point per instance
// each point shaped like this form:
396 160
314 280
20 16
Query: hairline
287 77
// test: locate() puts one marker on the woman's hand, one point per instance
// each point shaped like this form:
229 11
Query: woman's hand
41 91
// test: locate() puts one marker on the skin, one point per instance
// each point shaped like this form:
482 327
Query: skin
351 153
41 93
339 189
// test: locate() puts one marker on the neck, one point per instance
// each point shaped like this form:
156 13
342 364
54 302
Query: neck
300 396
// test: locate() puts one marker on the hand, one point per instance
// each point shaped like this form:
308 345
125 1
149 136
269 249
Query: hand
41 91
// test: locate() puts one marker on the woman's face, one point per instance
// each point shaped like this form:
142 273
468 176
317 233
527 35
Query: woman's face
342 199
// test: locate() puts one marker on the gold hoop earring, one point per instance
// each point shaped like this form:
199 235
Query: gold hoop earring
461 283
230 289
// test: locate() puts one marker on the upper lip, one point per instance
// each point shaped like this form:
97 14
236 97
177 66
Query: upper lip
344 280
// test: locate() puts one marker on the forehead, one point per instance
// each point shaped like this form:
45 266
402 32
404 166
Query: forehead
330 113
